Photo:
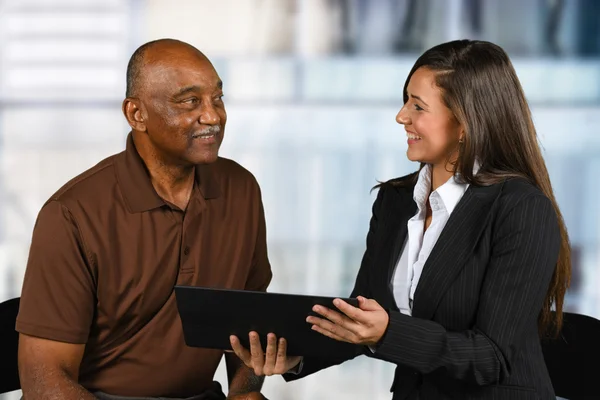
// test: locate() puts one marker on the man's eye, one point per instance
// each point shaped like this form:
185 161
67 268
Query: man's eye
191 100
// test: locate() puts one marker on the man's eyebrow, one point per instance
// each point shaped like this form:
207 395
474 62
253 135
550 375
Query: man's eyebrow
195 88
187 89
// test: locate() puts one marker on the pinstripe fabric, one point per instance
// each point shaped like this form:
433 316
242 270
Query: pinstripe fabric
473 333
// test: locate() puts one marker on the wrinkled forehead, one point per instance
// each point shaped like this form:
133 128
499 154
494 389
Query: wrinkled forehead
171 72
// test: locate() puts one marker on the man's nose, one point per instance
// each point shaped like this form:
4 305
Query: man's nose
209 115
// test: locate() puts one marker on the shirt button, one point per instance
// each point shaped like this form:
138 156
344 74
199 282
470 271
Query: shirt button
186 251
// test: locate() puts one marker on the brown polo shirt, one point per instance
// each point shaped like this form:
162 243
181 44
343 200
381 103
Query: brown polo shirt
106 253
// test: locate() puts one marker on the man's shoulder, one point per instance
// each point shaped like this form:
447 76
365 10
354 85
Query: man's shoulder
88 185
225 169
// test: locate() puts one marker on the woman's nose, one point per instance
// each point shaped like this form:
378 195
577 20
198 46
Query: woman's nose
402 117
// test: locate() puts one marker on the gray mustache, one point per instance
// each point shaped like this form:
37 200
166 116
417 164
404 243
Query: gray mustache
213 129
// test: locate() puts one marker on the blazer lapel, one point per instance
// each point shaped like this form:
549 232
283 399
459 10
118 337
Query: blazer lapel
400 208
453 248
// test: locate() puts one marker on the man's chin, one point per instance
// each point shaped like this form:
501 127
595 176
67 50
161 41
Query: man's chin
204 158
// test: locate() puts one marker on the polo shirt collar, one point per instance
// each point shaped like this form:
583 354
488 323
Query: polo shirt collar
135 184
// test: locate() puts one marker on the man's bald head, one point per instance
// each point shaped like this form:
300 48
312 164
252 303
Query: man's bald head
154 52
174 103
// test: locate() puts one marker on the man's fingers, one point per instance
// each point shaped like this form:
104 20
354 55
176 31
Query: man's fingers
270 359
247 396
280 365
239 350
257 354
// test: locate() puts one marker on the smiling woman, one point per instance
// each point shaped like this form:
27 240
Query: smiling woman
465 257
432 129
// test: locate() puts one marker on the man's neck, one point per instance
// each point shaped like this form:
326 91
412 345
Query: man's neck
174 183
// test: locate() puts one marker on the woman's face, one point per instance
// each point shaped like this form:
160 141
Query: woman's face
433 131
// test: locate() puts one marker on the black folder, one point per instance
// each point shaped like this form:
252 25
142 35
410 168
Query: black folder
210 315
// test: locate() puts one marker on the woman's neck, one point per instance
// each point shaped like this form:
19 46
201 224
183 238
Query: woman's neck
440 174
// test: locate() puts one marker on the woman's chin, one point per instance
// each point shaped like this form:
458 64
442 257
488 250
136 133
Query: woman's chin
412 156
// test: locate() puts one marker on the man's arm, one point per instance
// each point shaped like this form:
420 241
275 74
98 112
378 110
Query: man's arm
241 378
56 308
50 369
243 383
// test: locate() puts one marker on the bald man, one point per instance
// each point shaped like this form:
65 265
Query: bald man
98 317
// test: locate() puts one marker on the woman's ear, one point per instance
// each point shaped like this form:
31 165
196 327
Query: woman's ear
134 113
461 134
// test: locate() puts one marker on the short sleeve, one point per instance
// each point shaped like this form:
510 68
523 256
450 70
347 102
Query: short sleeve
260 273
58 295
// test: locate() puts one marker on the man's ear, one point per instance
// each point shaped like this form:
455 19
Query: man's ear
132 109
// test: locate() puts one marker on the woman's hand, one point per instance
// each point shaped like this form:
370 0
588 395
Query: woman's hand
364 325
274 362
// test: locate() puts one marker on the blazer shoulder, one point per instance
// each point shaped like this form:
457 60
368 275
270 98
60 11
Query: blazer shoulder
519 192
406 180
515 190
402 182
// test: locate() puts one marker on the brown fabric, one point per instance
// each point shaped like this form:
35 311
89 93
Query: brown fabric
214 393
106 253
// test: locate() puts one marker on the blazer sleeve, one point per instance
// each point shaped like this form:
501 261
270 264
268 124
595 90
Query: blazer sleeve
525 246
310 365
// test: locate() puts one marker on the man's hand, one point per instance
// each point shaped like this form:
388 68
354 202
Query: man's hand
242 380
364 325
247 396
274 362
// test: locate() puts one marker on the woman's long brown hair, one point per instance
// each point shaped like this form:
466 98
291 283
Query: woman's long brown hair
480 86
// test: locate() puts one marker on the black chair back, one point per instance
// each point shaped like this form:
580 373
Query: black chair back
9 344
573 359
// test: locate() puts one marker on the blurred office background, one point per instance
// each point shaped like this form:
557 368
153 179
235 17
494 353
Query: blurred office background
312 89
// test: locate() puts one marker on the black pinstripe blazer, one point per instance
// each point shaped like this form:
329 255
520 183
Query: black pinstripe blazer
473 332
